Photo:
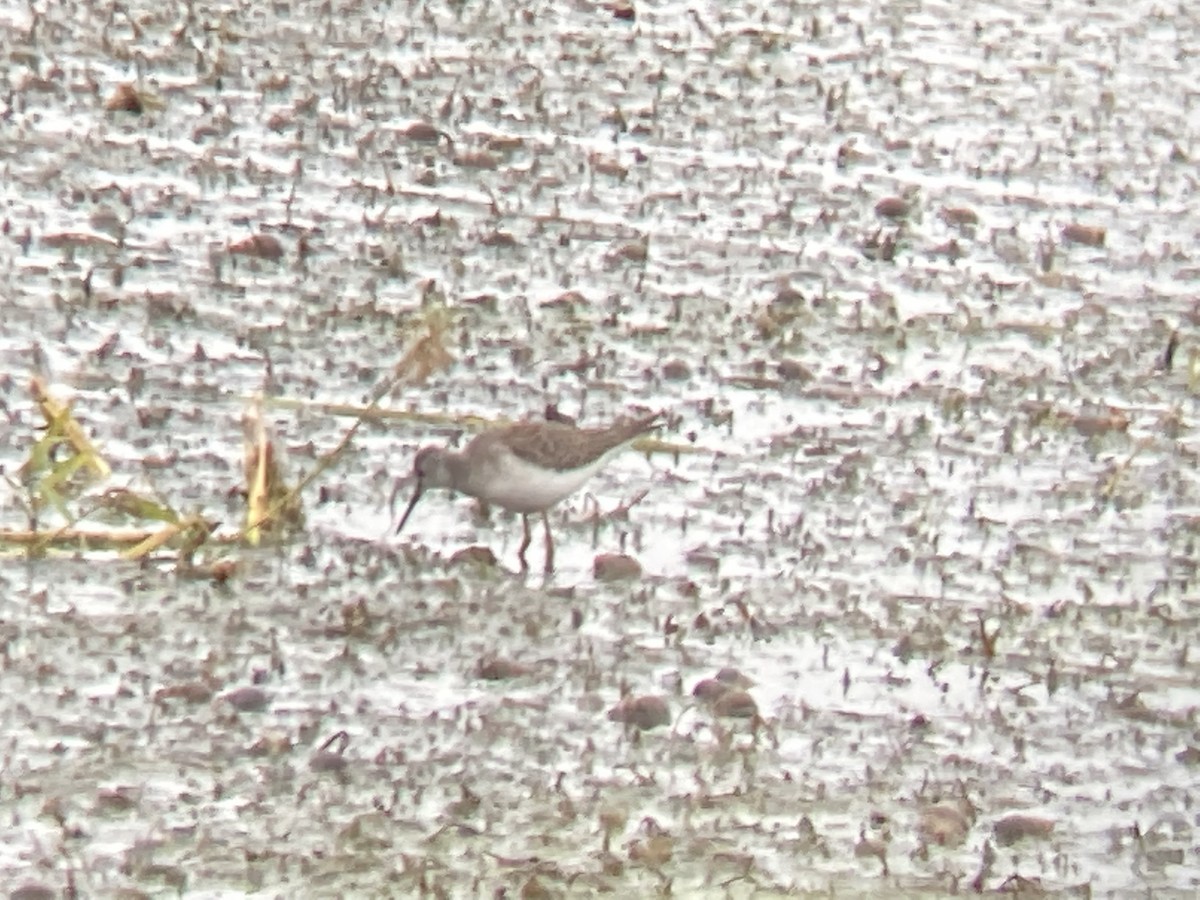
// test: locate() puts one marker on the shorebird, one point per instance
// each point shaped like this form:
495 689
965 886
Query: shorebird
525 468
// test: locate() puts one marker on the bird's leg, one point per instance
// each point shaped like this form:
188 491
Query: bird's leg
524 543
549 541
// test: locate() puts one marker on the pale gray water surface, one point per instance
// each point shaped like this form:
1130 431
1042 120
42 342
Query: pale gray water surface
953 417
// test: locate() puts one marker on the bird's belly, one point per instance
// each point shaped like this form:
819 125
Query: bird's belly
523 488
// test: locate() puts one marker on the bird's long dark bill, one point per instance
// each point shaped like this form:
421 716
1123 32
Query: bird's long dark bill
411 503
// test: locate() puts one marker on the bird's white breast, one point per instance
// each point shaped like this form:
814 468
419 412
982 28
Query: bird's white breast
515 484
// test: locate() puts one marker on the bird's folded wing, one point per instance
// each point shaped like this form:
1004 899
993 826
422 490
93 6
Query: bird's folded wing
558 446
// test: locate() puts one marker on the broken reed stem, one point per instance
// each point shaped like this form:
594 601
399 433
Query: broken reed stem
372 412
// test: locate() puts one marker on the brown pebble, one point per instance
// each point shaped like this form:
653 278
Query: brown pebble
247 699
423 132
31 891
615 567
263 246
676 370
505 143
892 207
533 889
735 704
477 159
473 556
500 239
327 761
219 571
606 165
1090 235
943 824
1017 826
791 370
622 9
633 251
641 712
959 215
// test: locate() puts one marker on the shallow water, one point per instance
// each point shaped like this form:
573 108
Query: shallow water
951 433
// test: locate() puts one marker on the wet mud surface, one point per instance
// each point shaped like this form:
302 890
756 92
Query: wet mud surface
915 283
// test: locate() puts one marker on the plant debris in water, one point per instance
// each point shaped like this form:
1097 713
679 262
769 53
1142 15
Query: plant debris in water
927 484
